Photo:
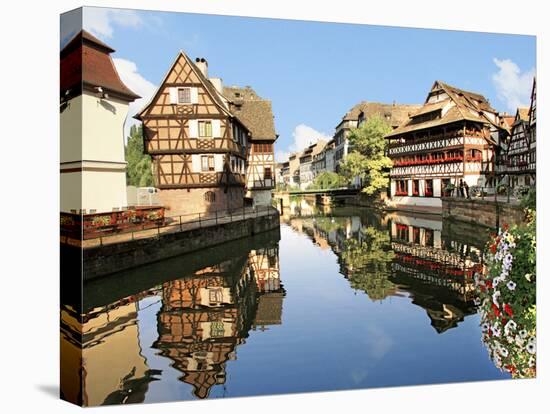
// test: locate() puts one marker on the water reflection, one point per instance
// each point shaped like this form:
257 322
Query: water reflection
203 317
388 255
398 288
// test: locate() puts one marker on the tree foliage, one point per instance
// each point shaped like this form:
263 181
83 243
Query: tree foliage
367 159
368 260
327 180
138 170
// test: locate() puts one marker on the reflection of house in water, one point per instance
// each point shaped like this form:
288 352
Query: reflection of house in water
437 270
112 368
205 316
264 265
385 256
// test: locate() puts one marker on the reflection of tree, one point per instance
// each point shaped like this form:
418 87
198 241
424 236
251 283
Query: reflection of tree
368 261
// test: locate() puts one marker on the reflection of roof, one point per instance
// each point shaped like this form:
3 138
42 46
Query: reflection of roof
86 62
464 105
253 111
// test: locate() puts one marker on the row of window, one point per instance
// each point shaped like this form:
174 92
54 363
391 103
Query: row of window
262 148
402 188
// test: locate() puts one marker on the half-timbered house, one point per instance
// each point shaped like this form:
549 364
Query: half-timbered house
533 132
257 115
517 157
198 146
451 138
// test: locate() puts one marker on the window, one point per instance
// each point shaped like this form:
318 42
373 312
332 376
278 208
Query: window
205 129
216 294
184 95
267 173
207 163
428 237
401 188
416 188
210 197
429 190
262 148
217 329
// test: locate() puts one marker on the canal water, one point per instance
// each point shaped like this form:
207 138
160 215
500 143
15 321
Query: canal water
339 299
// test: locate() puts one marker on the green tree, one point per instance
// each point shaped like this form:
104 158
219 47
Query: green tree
138 170
367 159
368 262
327 180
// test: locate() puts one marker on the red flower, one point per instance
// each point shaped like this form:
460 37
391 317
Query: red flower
493 248
489 284
495 310
508 310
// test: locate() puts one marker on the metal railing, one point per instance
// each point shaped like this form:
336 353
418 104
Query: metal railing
181 223
497 194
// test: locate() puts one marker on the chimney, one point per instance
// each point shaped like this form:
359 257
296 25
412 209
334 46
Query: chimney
218 84
202 64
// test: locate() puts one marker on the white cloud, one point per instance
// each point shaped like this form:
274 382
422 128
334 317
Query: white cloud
128 72
512 85
101 21
303 137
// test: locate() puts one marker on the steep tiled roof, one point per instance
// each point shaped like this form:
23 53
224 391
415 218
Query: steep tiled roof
253 111
457 105
86 63
394 114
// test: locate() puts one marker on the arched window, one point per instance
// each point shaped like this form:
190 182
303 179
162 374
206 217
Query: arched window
209 197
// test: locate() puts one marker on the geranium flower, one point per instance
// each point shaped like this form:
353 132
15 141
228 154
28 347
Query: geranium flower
508 310
495 310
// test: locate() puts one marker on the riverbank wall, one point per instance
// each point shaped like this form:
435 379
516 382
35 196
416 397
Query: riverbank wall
102 260
487 213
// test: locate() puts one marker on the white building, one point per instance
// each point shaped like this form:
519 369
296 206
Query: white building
94 105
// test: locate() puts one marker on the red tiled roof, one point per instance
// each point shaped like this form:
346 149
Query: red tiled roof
86 62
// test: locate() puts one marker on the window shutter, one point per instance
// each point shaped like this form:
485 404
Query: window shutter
216 128
194 95
173 95
193 128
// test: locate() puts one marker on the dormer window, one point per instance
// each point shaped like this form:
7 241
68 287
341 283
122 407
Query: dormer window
184 95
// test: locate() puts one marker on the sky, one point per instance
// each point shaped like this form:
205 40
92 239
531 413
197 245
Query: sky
313 72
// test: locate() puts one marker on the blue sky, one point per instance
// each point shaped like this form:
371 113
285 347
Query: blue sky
314 72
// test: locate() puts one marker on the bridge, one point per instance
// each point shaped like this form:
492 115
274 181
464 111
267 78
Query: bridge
322 196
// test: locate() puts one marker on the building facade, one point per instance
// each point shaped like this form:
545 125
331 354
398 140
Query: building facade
198 146
518 152
451 138
93 110
308 159
257 115
394 114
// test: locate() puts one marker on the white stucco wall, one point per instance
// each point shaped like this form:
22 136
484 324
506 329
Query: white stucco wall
103 191
103 128
93 173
